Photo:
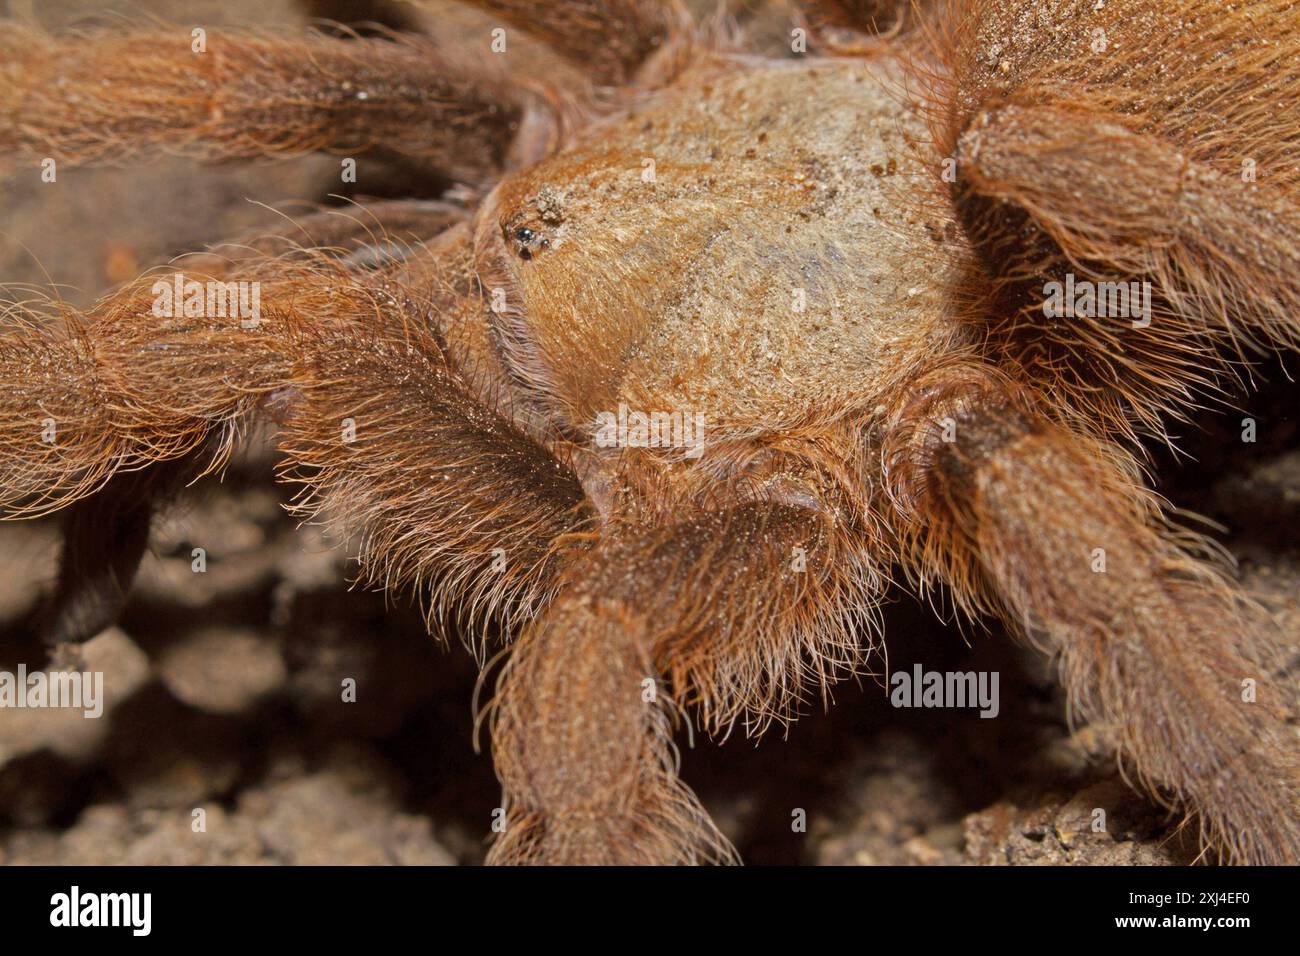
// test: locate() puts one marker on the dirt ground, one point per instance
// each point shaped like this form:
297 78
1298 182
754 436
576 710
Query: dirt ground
224 686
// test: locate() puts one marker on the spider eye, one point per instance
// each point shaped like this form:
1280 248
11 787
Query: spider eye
527 241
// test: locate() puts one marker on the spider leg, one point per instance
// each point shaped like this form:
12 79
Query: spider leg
103 414
1222 257
610 40
720 609
87 395
1142 142
1053 529
377 423
438 488
113 96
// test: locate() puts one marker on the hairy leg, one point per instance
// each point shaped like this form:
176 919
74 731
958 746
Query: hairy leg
113 96
105 538
437 488
1053 529
609 39
737 612
123 406
1137 142
363 235
87 395
1223 250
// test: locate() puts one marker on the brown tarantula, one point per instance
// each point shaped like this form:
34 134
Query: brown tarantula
722 344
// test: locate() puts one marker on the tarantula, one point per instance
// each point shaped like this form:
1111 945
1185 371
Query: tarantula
840 266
